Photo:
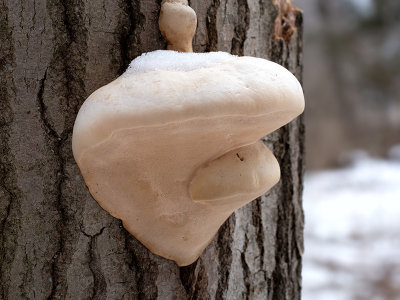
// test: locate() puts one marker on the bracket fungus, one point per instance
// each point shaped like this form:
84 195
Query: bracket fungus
172 147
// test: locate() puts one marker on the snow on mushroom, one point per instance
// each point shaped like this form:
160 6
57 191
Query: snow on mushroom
172 146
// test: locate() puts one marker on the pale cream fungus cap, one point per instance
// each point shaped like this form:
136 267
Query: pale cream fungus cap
172 146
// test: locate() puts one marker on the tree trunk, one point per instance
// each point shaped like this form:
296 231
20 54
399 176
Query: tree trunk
55 241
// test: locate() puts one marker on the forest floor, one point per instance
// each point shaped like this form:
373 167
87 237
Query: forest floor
352 232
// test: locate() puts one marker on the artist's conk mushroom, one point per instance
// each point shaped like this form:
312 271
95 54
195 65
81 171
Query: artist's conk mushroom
172 146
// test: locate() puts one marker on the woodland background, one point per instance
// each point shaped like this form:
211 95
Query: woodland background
352 186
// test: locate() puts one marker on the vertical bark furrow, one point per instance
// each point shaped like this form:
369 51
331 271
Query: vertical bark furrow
129 32
241 28
258 224
133 265
211 23
300 135
300 175
260 28
288 267
144 268
68 68
247 274
26 250
8 189
290 215
262 7
56 144
8 195
281 273
99 284
200 291
51 132
188 276
224 242
195 281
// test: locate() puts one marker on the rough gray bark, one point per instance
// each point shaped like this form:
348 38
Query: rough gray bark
55 241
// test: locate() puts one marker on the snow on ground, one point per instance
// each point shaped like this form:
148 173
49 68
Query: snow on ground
352 233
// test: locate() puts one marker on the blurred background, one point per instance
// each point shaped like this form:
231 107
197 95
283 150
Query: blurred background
352 185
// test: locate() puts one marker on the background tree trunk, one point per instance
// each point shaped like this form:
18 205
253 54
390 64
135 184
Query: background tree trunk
55 241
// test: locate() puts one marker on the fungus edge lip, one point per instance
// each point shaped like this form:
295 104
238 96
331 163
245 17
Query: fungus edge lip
170 123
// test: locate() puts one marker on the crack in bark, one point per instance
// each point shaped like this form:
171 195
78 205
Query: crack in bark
99 283
261 6
224 243
282 232
289 230
72 94
238 40
300 132
195 280
57 145
43 111
245 268
211 25
28 270
135 266
5 168
143 266
188 277
128 36
11 198
258 224
201 284
7 171
300 174
286 228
